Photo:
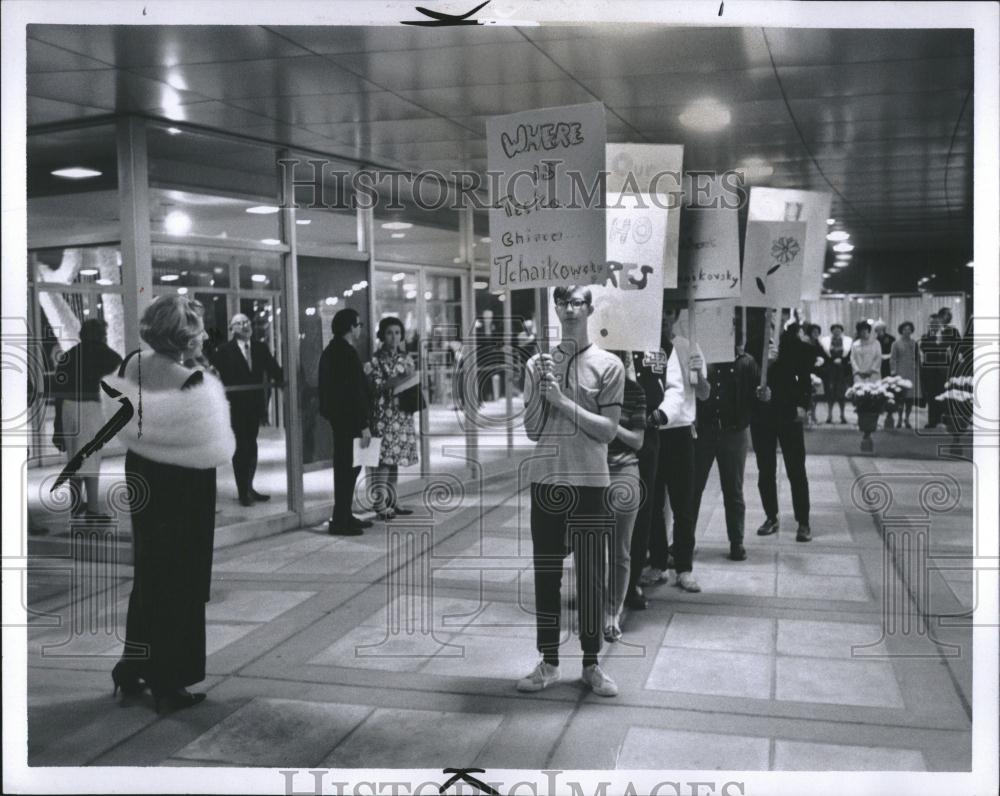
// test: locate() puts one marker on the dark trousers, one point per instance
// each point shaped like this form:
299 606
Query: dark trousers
345 476
932 381
674 480
766 434
648 460
729 448
579 513
245 429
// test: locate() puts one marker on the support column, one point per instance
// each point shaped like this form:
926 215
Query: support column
133 208
290 356
467 237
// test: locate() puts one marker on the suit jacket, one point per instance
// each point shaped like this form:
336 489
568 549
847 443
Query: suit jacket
344 399
228 359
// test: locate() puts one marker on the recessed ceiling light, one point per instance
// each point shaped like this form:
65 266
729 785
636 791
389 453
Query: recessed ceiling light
481 285
89 272
831 221
182 291
177 222
398 277
263 210
398 235
428 295
487 239
270 241
303 221
330 301
412 294
258 278
756 168
705 115
843 247
407 286
396 225
838 235
970 264
103 282
348 293
76 173
169 278
174 130
310 310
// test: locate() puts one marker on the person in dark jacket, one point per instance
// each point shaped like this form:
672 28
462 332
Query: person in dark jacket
722 424
820 363
937 349
243 365
345 402
781 409
78 415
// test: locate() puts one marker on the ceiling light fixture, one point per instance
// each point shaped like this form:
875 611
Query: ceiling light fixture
177 222
103 282
310 310
843 247
169 278
76 173
831 221
481 285
258 278
174 130
397 225
89 272
706 115
271 241
348 293
487 239
263 210
838 235
182 291
398 277
398 235
303 221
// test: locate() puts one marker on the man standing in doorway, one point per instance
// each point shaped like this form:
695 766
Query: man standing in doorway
675 471
243 364
346 404
573 401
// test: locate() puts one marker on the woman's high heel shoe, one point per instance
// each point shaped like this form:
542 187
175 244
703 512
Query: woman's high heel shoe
177 699
129 683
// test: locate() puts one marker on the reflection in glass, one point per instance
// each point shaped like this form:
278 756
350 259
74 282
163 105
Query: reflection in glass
187 214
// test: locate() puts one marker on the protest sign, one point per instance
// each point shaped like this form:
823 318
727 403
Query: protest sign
708 265
772 264
544 229
627 307
716 330
654 170
812 207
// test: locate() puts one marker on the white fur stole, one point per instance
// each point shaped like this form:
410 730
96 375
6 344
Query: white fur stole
187 427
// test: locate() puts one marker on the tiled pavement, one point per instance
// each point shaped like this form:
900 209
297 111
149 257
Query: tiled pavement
325 652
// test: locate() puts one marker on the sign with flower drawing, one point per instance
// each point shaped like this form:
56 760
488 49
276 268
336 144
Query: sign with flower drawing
772 264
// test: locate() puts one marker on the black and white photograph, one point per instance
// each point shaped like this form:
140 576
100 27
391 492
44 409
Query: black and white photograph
500 397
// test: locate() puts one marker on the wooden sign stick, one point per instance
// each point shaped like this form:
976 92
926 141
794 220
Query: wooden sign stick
692 374
768 316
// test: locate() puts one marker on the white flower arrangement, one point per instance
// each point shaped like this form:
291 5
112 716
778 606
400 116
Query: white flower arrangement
957 389
872 396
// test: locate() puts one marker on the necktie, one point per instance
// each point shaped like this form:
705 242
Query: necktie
245 347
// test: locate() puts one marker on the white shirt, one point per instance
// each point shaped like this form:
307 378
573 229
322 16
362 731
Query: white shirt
680 403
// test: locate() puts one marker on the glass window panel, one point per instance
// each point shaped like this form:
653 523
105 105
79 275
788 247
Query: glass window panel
322 284
443 328
262 273
326 229
97 266
417 236
193 266
201 215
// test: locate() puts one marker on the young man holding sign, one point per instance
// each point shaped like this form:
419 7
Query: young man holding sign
573 401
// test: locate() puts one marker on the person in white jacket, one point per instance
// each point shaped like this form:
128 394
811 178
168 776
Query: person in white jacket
866 354
686 381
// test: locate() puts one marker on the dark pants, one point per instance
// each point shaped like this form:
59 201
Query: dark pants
766 434
345 476
729 449
245 429
932 381
648 460
579 512
674 479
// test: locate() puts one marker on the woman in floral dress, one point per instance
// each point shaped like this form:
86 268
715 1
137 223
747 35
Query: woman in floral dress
389 368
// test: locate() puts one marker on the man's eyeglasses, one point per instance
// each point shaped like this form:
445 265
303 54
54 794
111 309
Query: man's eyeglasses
358 324
577 304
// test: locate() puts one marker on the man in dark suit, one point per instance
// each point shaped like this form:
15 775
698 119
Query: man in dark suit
345 402
243 364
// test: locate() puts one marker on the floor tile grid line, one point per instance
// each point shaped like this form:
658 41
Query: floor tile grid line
345 738
966 706
894 565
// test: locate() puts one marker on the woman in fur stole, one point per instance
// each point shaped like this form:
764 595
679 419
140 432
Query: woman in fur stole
179 434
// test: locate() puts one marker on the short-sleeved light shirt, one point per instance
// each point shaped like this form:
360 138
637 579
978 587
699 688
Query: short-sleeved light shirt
593 379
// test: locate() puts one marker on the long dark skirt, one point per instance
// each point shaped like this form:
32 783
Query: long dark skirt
173 528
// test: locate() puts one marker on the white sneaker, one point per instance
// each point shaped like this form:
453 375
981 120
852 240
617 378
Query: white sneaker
599 682
686 581
543 675
651 576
